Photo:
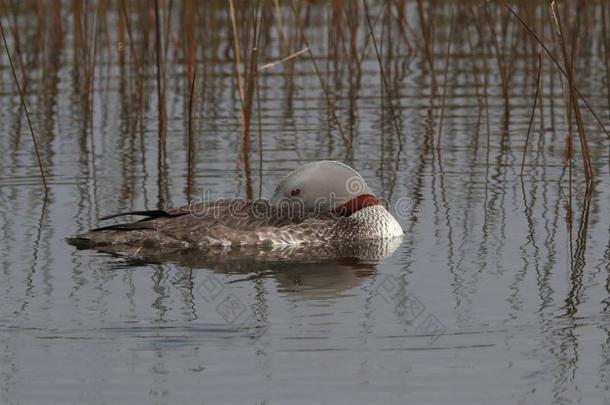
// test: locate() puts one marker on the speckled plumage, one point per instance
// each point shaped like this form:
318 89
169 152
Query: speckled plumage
320 203
246 223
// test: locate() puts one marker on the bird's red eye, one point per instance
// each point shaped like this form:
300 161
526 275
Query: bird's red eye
295 192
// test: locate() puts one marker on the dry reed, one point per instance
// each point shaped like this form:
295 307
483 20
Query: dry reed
573 99
559 67
346 141
25 109
190 140
148 42
445 82
383 75
531 121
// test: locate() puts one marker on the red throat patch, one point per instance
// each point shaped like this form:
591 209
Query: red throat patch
356 204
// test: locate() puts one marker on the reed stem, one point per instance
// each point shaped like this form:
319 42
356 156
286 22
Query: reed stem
558 65
25 109
531 121
383 76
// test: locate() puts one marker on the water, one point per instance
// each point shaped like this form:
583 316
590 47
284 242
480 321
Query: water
492 296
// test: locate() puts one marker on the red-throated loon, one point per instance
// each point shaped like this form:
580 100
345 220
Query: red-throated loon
324 202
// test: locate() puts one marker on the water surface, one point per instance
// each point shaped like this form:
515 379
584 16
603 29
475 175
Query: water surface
498 293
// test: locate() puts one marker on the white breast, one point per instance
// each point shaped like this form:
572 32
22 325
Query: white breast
373 222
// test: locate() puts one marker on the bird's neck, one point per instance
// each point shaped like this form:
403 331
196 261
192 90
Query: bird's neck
356 204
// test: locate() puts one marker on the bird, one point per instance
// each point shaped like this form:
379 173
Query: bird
320 203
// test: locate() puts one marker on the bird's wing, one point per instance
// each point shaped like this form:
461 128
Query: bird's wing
225 222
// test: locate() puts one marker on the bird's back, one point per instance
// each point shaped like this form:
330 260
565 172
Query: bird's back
227 222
